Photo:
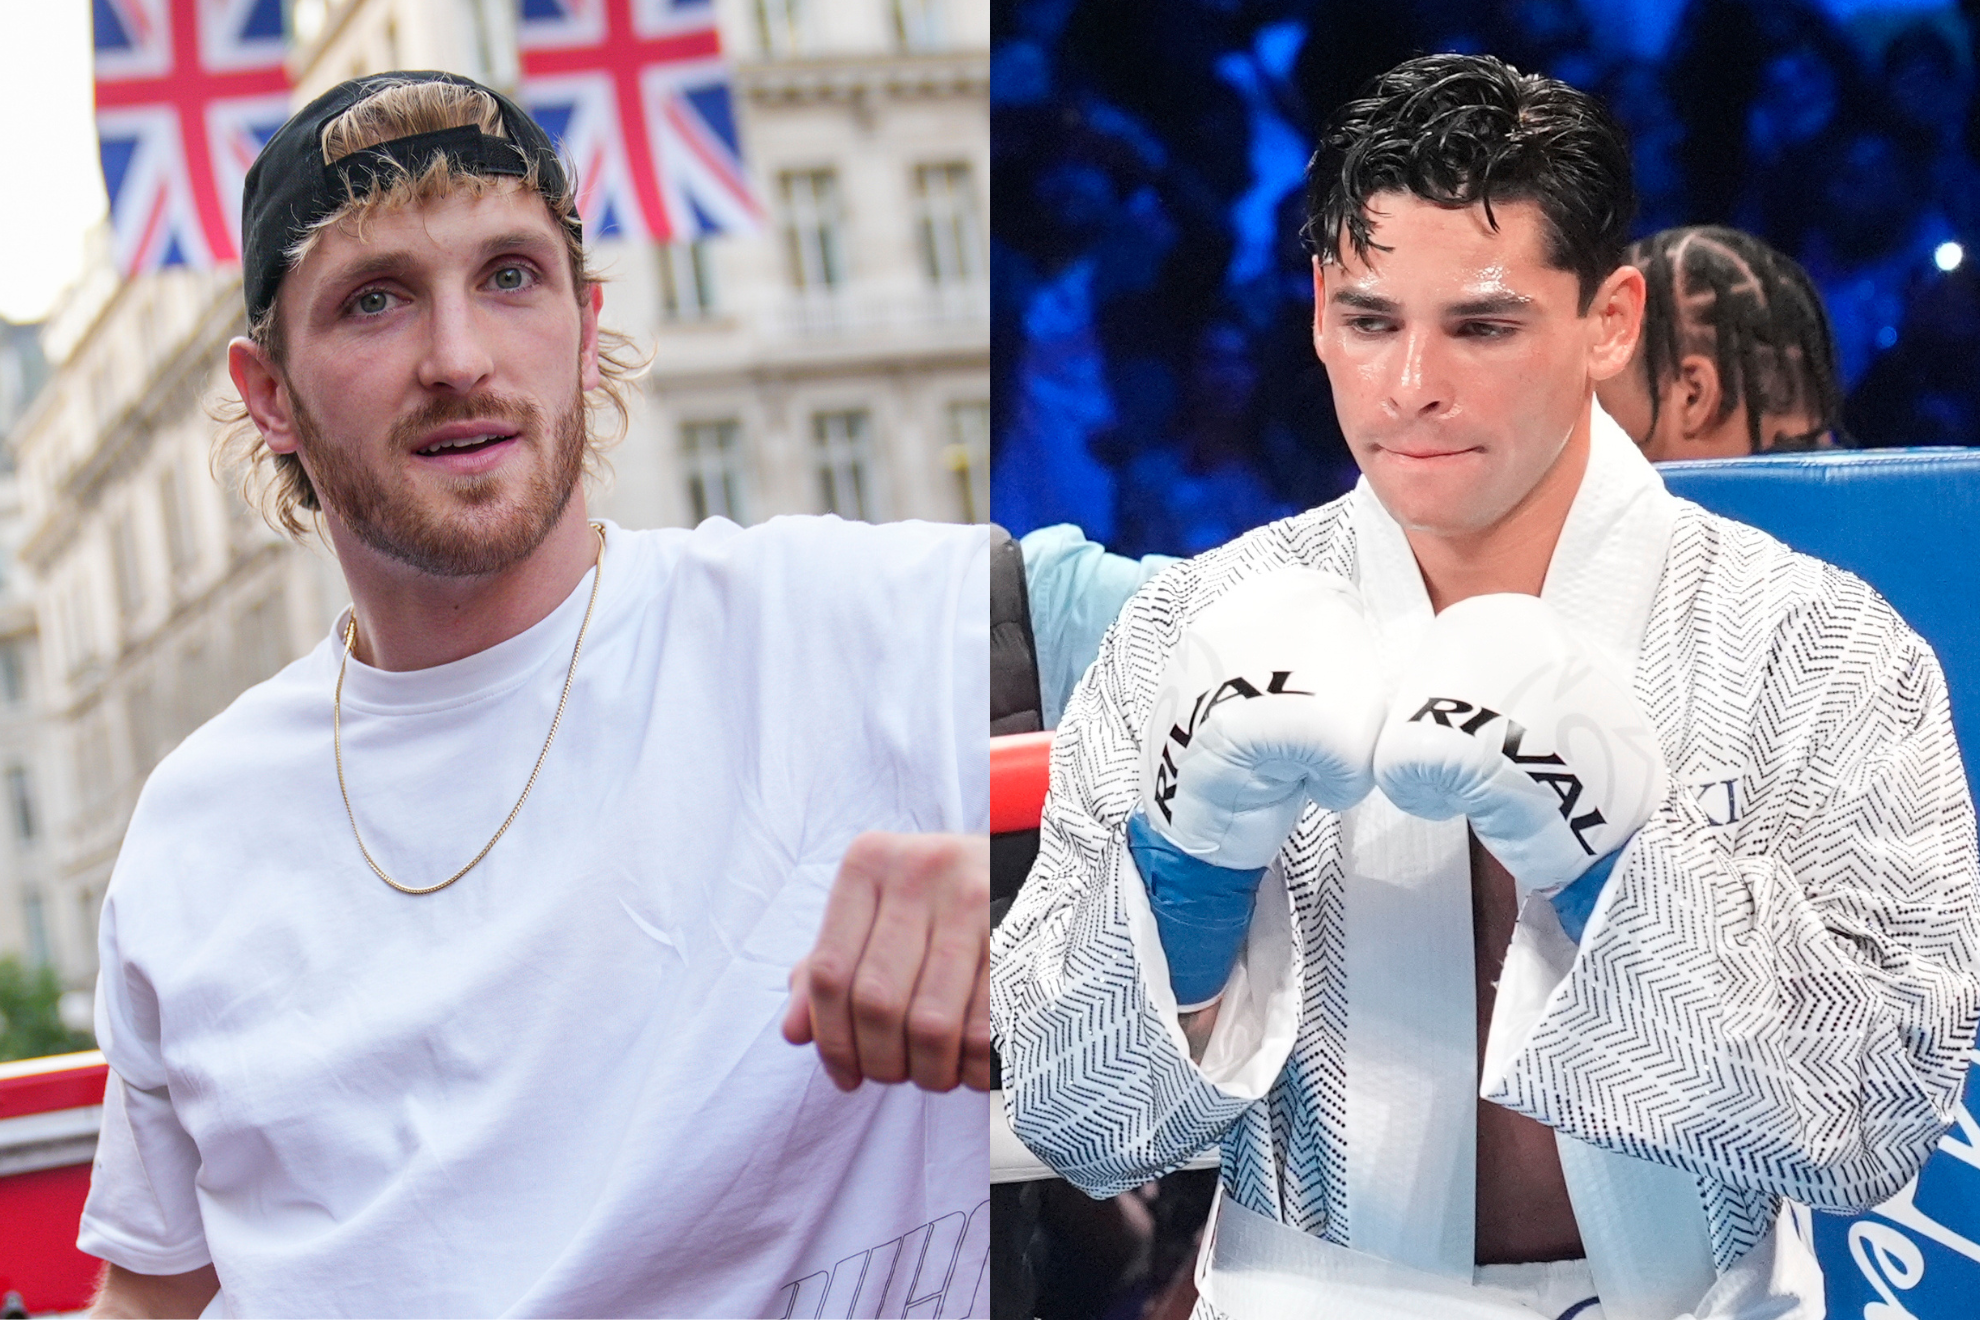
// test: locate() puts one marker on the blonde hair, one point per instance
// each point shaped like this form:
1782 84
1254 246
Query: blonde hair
276 484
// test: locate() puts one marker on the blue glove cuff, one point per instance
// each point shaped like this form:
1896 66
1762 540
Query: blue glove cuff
1201 911
1575 904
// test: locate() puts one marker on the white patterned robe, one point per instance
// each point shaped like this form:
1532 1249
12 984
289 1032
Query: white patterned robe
1776 1005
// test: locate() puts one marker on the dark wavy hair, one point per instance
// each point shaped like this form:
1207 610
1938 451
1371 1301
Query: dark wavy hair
1752 310
1461 130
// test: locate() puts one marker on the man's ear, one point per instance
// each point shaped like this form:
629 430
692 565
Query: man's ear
588 373
264 392
1319 303
1698 392
1617 314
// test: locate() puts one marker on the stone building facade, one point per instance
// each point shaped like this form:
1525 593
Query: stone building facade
24 918
837 361
157 596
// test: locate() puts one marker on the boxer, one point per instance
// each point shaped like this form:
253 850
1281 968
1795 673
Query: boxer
1534 883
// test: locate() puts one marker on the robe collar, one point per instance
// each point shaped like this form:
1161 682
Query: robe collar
1412 1054
1602 579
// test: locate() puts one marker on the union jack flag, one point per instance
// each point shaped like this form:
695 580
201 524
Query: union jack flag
636 95
187 92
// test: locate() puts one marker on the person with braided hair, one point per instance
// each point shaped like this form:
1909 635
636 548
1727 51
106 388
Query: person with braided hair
1736 355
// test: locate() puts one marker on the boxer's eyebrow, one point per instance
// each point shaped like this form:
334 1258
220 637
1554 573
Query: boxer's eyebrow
1366 302
1496 305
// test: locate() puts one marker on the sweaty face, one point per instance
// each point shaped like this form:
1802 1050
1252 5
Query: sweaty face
435 370
1459 362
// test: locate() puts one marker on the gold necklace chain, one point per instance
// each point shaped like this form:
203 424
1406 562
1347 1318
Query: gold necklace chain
337 737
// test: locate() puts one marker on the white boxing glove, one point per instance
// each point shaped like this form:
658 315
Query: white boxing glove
1273 697
1507 718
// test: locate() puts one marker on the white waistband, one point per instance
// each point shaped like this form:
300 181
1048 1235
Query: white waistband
1255 1267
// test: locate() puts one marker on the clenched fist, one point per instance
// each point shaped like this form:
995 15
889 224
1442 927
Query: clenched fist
1510 720
897 987
1272 698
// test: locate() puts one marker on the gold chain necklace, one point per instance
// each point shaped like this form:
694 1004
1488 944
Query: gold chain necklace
337 737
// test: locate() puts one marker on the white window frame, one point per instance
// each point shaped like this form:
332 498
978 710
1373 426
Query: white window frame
181 547
20 804
687 281
842 452
127 566
814 229
712 459
919 25
781 27
947 224
968 455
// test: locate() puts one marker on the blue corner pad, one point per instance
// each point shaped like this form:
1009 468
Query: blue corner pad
1202 911
1575 904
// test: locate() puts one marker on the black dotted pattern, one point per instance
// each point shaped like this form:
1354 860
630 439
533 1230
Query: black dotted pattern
1778 1005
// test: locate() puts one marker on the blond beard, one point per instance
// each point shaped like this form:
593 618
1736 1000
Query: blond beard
481 534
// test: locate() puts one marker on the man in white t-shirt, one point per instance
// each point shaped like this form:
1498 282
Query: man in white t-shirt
456 970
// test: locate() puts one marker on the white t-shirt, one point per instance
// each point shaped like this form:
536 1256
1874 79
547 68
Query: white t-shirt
557 1087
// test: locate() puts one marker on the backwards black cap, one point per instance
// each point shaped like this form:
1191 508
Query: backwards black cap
289 188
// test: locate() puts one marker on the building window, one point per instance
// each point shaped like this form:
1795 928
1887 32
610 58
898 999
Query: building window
844 463
91 903
13 674
968 456
93 765
687 286
21 802
918 24
177 519
37 929
125 567
945 204
62 634
81 625
147 322
239 516
812 225
260 639
194 690
780 26
102 392
712 454
146 714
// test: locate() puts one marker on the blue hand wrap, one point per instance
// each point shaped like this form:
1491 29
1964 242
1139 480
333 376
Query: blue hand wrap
1575 904
1201 911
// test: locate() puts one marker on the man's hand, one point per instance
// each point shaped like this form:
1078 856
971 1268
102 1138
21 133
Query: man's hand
898 986
1509 719
1271 698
